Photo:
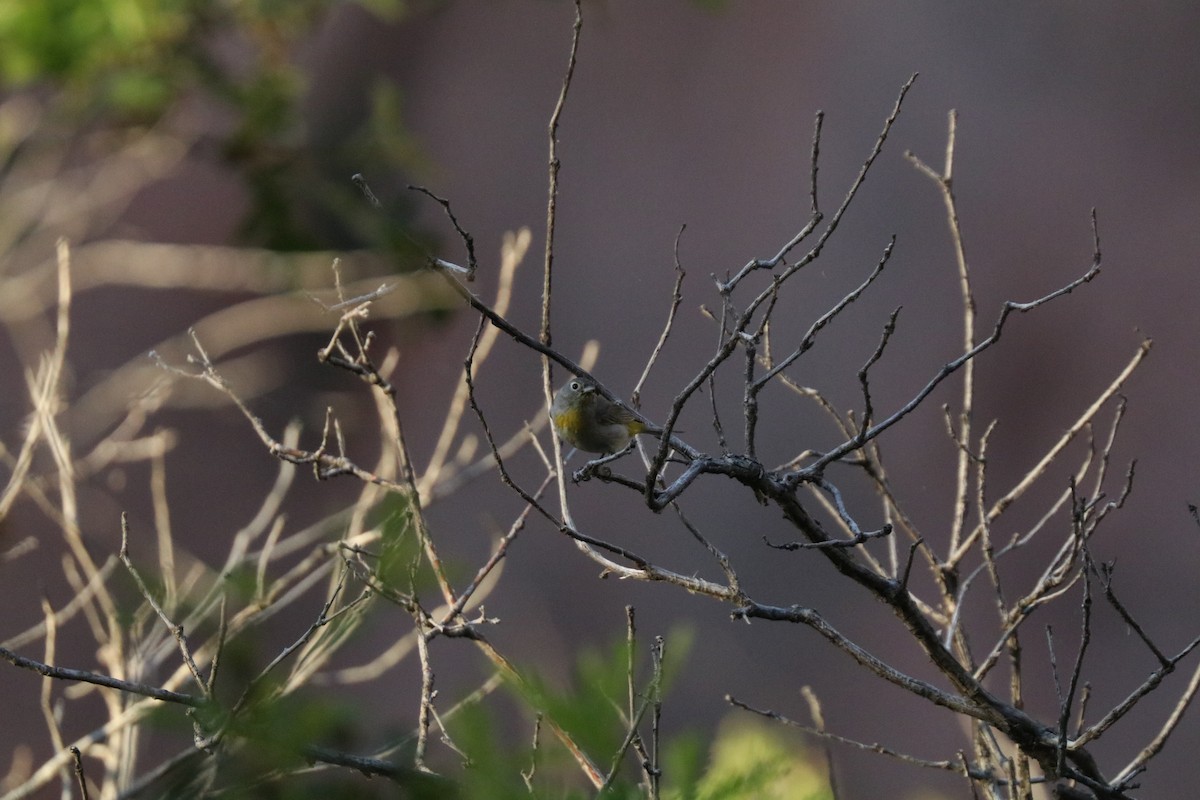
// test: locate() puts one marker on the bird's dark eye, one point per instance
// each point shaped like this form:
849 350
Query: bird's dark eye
576 386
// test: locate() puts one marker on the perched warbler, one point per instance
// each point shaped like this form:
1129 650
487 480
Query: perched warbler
588 420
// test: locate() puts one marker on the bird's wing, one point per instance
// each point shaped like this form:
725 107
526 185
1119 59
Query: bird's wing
616 415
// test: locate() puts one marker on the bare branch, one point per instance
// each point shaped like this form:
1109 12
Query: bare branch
176 630
67 674
946 371
676 299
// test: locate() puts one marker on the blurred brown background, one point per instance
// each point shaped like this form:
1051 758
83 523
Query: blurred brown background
681 114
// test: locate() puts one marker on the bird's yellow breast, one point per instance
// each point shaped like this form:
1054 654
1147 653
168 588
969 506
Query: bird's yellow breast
569 421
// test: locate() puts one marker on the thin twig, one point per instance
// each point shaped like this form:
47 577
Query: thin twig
79 776
467 239
818 718
67 674
946 371
676 299
176 630
960 767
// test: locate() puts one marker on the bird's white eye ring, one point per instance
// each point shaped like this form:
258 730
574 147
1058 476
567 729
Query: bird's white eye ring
576 386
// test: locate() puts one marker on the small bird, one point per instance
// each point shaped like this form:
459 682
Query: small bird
588 420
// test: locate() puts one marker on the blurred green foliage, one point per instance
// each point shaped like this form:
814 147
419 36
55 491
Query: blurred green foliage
101 53
748 759
136 57
227 76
